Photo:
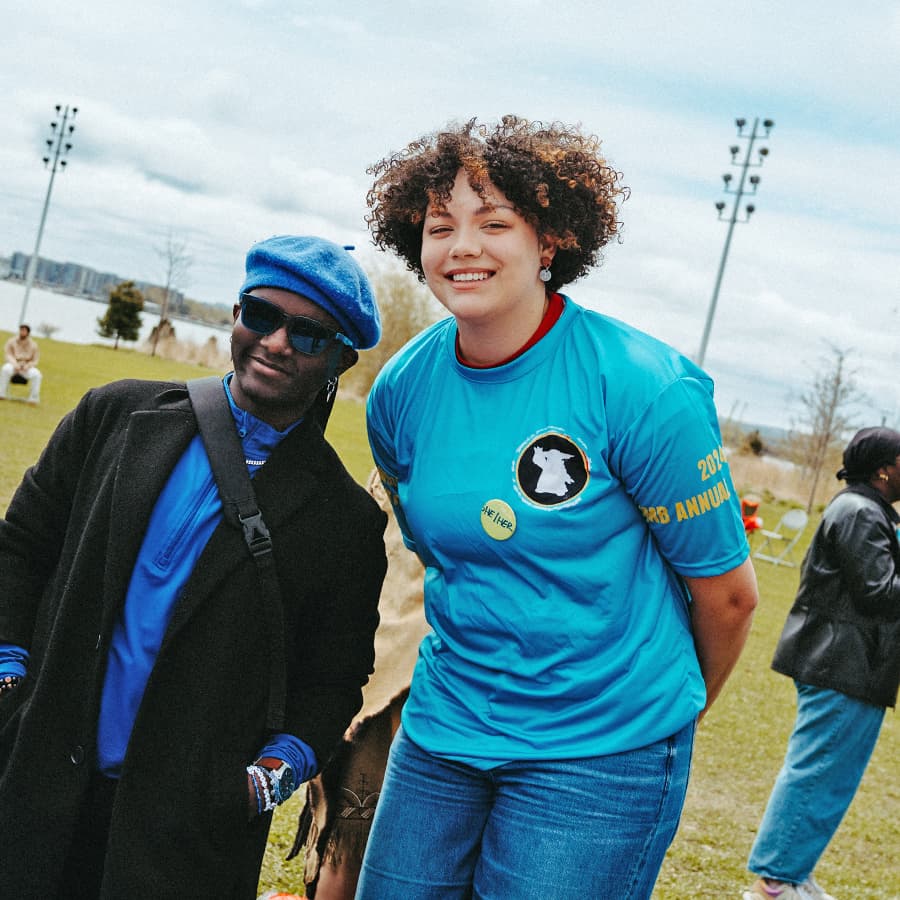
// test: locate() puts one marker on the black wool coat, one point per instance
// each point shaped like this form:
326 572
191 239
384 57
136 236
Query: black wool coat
67 547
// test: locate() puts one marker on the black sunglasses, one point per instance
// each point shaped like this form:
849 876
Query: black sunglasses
306 335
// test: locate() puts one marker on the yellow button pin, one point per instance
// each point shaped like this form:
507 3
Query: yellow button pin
498 520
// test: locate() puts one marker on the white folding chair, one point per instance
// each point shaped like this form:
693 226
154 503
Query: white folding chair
777 544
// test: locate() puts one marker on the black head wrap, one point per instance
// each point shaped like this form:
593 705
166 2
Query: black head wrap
868 450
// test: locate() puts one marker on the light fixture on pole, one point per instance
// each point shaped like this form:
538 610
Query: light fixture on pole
738 192
58 145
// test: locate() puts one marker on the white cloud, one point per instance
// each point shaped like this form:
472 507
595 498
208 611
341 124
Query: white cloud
233 121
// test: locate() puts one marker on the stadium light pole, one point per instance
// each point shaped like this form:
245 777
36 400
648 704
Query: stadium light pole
58 145
738 192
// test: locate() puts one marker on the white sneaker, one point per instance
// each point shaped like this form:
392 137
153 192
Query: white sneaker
810 890
760 890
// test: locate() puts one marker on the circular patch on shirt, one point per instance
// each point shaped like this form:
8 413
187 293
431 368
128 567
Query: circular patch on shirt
551 469
498 520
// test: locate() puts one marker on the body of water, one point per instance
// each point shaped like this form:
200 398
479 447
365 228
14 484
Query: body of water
76 318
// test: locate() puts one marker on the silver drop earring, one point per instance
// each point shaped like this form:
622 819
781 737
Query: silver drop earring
544 274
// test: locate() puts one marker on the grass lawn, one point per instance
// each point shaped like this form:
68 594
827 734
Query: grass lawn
739 747
71 369
738 752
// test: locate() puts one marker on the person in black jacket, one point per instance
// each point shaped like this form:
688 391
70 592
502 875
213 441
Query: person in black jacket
841 645
156 703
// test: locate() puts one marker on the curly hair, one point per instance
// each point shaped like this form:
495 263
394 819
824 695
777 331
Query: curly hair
552 174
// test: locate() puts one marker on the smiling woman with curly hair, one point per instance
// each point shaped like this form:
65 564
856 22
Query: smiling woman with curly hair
553 175
561 476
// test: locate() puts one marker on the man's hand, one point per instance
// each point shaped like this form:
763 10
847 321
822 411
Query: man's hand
261 796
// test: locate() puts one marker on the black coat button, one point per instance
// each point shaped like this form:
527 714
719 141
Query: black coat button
77 756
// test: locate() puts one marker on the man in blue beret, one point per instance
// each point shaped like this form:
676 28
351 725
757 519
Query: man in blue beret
157 700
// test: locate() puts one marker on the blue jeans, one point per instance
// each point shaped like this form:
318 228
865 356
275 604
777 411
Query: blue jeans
596 827
827 753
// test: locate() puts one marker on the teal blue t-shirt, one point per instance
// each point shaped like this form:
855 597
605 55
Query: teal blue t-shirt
555 500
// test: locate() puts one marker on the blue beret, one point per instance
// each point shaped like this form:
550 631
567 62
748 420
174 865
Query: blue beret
322 272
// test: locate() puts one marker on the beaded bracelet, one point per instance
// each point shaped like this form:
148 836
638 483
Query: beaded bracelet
8 683
276 792
255 784
254 778
260 776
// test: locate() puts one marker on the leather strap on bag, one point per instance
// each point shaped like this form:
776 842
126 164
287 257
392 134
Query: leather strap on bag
241 510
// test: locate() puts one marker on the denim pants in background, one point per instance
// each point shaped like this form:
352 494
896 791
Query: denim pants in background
558 830
827 753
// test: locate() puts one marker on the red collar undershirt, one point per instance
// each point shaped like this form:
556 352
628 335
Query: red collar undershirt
554 311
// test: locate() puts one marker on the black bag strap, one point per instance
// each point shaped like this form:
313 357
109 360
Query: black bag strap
226 456
240 508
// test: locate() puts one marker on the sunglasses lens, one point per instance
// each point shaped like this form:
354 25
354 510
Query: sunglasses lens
308 338
259 316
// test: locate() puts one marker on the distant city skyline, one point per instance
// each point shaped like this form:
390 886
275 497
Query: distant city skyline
80 280
74 319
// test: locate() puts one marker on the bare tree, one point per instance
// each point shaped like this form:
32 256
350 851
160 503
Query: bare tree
48 329
177 263
826 416
407 307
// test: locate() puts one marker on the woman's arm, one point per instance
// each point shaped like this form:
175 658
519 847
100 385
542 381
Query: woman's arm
721 613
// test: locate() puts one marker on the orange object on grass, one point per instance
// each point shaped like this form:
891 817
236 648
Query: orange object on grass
749 506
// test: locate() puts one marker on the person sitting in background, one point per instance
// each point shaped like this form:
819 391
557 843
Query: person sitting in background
22 356
841 645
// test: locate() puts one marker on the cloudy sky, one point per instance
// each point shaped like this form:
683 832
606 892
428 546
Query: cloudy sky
228 122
